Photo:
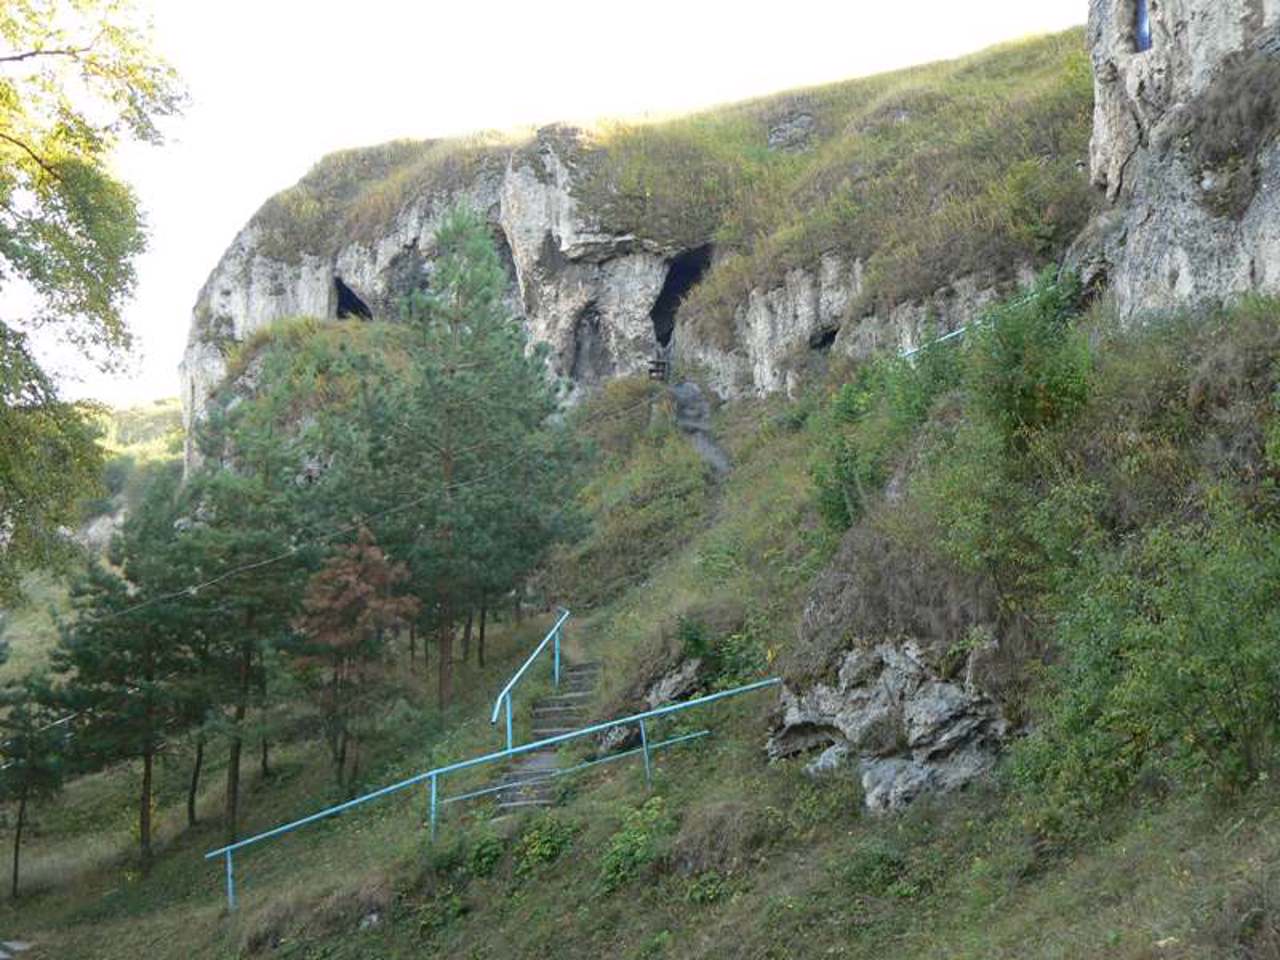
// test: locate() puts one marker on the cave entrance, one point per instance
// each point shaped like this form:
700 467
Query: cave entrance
349 302
683 274
1142 25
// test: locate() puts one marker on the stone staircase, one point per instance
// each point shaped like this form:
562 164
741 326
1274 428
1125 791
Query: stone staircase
562 712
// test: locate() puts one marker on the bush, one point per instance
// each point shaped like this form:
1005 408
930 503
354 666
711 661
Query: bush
1171 651
637 845
874 868
543 842
868 424
486 854
1026 367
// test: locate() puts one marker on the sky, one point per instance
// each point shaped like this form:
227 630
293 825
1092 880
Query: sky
276 84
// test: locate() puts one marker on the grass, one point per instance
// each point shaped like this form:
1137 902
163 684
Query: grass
927 174
353 195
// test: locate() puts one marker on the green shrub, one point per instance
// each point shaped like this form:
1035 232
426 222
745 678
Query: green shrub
873 867
706 888
638 844
1026 366
869 422
546 839
485 854
1171 661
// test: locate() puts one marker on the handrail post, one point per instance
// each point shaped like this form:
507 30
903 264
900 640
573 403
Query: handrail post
433 808
231 884
508 720
557 658
644 745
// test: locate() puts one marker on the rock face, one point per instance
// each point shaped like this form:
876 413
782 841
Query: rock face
586 292
777 331
606 302
1182 150
909 730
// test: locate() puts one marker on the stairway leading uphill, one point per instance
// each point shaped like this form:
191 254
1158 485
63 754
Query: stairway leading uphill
531 776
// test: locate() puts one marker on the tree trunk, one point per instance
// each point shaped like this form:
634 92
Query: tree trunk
444 658
484 609
233 784
413 644
233 759
195 781
266 763
517 610
466 636
144 811
17 840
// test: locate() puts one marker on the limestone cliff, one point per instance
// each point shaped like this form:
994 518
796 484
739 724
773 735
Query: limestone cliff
834 221
1184 147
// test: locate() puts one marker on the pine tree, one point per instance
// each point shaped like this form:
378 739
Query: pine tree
31 753
350 605
475 436
120 666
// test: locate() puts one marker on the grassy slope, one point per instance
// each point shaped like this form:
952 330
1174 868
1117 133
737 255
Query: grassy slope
743 858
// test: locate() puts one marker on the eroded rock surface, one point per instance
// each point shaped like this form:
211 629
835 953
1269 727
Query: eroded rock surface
1196 205
887 710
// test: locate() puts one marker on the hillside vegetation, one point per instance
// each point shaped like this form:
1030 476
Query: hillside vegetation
1115 492
1094 508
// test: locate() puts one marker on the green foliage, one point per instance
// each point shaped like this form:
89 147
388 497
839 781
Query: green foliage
75 81
874 867
728 658
486 854
868 423
706 888
32 753
1171 660
637 845
544 841
1026 367
49 460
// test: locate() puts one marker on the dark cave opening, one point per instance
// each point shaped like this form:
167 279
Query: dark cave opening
823 339
683 274
349 302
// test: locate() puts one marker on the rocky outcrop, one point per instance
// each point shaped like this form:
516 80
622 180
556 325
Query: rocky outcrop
1184 146
909 730
778 332
583 290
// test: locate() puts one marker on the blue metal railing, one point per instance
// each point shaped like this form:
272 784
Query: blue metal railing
433 777
504 698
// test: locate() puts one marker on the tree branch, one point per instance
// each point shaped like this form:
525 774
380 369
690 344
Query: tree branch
44 165
32 54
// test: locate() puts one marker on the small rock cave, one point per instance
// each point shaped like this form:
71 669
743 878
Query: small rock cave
683 274
823 339
349 302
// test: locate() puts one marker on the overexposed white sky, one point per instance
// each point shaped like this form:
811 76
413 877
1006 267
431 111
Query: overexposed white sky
275 84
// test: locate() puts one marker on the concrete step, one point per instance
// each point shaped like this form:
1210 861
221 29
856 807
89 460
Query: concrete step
542 733
567 699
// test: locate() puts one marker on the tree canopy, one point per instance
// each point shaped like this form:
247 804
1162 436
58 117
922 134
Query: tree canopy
76 79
